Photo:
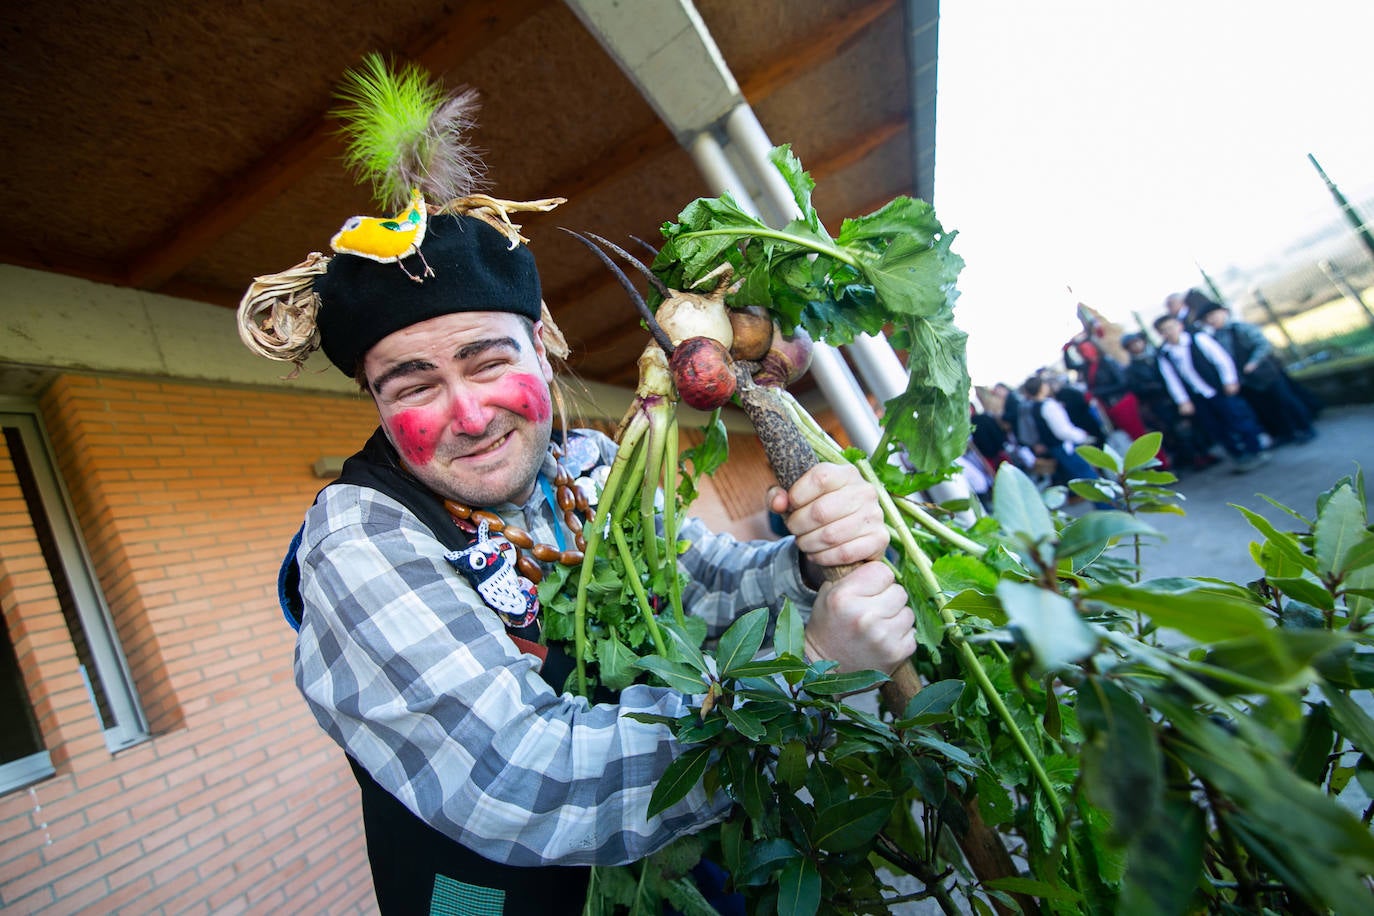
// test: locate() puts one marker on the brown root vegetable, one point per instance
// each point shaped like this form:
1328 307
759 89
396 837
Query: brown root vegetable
753 329
787 359
703 372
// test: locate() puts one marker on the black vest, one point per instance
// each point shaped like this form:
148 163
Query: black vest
1047 436
1201 363
413 865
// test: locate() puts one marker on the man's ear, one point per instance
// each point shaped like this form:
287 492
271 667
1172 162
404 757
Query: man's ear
546 369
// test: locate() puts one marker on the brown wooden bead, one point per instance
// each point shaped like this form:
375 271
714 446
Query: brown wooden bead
457 510
545 553
581 501
580 541
571 558
494 521
566 500
519 537
563 478
529 569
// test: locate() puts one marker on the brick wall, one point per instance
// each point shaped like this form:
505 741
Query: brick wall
187 496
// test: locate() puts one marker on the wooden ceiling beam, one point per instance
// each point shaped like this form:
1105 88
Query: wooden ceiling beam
821 45
859 148
472 26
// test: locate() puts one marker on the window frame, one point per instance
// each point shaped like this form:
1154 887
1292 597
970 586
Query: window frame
130 725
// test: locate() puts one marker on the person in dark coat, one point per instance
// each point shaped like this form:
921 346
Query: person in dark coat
1263 383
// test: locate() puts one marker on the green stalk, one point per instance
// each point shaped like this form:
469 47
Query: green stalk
630 452
935 526
645 609
653 463
974 668
762 232
670 459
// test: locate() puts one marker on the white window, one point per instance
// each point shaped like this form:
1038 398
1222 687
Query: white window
23 759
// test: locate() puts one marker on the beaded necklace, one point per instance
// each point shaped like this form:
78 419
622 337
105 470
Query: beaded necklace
568 499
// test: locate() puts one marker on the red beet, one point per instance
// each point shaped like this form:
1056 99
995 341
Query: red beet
703 373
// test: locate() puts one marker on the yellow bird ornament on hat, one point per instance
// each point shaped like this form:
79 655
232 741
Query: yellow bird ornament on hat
405 134
387 240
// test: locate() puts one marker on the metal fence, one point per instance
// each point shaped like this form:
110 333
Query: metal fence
1315 305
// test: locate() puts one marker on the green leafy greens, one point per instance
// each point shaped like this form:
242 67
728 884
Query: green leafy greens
892 267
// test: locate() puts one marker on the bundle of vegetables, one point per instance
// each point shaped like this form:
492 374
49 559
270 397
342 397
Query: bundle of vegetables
738 304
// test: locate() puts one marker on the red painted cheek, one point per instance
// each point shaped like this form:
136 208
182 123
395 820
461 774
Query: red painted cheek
417 433
524 394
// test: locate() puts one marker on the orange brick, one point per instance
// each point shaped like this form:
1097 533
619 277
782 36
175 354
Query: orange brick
188 860
139 801
15 868
132 895
71 861
235 883
179 888
31 902
119 852
81 889
203 505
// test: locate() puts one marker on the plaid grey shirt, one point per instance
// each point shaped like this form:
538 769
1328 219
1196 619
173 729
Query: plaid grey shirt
407 669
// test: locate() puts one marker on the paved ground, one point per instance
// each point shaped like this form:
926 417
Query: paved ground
1211 540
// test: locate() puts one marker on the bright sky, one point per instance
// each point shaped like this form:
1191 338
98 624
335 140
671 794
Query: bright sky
1111 146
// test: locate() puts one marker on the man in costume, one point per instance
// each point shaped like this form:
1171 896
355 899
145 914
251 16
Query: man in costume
486 788
1263 383
1185 444
1202 380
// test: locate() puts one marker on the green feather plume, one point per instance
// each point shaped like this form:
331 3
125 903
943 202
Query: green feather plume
405 131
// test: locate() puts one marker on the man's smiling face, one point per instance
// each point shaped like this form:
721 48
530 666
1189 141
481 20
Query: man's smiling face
465 400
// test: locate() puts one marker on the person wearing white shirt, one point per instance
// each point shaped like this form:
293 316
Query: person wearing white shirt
1057 435
1202 380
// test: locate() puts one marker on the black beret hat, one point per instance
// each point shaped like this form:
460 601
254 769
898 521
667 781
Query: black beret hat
1207 307
475 270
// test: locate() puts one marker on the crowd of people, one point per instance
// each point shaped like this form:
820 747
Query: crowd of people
1209 383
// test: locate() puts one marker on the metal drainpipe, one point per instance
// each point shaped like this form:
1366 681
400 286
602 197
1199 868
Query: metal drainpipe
719 173
879 366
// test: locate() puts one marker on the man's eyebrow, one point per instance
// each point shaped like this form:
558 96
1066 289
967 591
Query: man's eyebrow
466 352
478 347
406 368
